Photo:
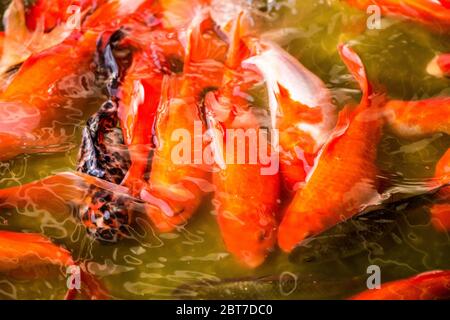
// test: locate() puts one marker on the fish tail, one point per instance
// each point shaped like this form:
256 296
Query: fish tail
358 70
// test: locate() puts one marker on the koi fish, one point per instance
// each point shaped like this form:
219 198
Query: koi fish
434 285
415 119
103 154
425 11
343 192
22 252
246 200
246 206
440 212
33 101
176 188
300 107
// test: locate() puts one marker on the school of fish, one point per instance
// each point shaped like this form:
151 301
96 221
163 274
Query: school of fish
176 66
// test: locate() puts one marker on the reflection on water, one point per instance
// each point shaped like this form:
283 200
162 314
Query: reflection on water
192 261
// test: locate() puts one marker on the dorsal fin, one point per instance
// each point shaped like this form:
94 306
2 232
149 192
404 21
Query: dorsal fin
357 69
193 35
238 49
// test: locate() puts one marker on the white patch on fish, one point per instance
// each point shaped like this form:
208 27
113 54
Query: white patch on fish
278 67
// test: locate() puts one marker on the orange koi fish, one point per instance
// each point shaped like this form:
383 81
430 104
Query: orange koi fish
415 119
440 212
246 206
344 179
246 199
176 187
434 285
33 101
22 252
139 96
425 11
301 109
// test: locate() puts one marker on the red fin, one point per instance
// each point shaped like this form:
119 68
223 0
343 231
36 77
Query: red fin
357 69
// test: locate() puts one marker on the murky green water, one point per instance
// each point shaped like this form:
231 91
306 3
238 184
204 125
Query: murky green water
161 265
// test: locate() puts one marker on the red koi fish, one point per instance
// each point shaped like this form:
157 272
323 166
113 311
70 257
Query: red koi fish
425 11
246 199
301 109
176 188
32 102
344 179
22 252
434 285
415 119
440 212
